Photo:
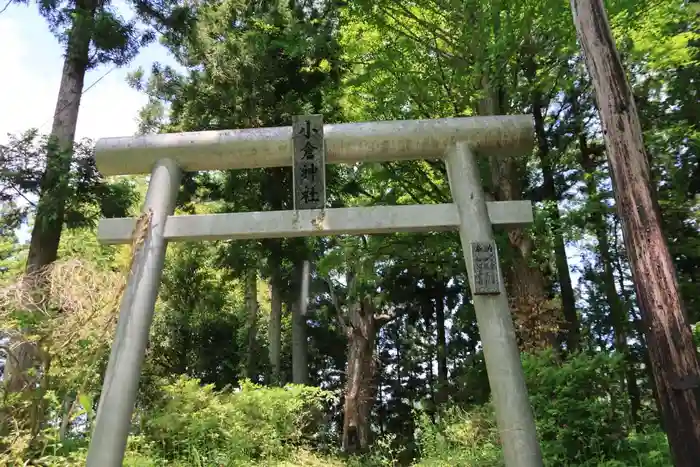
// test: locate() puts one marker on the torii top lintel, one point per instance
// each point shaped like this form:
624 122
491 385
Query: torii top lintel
346 143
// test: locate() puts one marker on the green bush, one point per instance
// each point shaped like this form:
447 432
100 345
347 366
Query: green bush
580 415
578 405
195 423
460 439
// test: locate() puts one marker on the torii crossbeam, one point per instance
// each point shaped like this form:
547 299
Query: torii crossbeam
456 140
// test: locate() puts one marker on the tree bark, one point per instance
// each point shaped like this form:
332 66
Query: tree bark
359 389
251 303
671 348
525 285
639 329
571 333
534 318
68 401
184 338
48 222
619 319
275 326
536 322
273 191
300 365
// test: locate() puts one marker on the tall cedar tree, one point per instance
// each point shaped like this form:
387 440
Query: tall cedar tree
93 34
671 348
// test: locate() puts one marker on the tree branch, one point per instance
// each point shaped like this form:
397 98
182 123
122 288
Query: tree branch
19 192
386 318
400 29
432 27
336 304
9 2
445 85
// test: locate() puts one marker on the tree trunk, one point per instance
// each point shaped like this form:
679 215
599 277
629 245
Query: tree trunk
572 333
300 365
671 348
251 303
439 301
536 321
184 329
273 191
184 338
66 411
275 326
48 223
639 331
359 389
618 317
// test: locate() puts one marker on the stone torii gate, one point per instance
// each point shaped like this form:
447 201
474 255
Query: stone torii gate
456 140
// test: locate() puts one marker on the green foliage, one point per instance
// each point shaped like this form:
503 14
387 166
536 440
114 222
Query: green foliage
111 38
461 438
89 196
194 423
579 417
469 439
190 424
578 404
11 253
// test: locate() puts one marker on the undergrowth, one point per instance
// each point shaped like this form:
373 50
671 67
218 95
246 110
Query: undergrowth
189 424
580 409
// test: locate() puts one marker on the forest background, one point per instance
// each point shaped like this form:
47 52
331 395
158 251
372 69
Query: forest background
229 331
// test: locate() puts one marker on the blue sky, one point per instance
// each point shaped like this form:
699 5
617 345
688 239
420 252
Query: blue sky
32 61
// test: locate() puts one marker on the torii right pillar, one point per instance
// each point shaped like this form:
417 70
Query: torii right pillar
516 423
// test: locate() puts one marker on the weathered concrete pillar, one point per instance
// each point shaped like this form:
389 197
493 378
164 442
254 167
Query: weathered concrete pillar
516 424
135 316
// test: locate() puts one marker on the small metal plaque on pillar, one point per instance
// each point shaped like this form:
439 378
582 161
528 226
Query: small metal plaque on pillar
485 267
309 162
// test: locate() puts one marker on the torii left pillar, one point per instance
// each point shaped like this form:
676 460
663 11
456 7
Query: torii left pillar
121 382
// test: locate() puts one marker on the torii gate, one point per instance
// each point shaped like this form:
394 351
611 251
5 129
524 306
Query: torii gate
456 140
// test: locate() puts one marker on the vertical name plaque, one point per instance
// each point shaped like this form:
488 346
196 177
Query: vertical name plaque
485 267
309 162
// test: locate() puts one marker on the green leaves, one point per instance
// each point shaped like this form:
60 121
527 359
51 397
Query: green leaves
87 195
86 402
658 32
232 427
111 38
115 40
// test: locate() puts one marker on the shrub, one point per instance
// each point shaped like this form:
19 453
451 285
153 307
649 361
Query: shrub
578 405
197 423
64 326
580 416
460 439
